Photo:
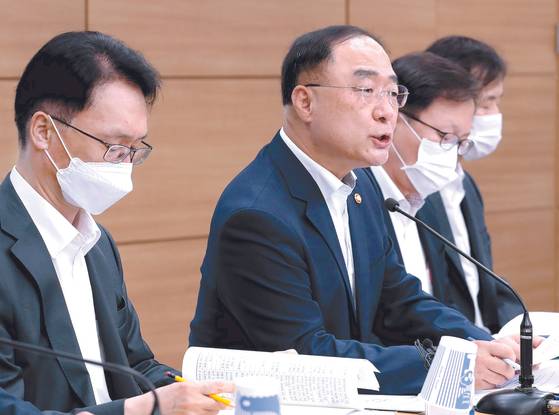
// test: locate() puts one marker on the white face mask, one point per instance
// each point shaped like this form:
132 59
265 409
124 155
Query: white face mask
435 167
94 187
486 135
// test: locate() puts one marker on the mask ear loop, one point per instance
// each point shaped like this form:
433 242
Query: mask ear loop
404 165
403 118
63 145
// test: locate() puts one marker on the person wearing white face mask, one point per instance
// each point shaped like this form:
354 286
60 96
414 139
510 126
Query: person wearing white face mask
431 132
81 110
486 135
95 186
457 210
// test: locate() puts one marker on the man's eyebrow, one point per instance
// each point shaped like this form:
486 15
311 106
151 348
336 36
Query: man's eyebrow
119 135
366 73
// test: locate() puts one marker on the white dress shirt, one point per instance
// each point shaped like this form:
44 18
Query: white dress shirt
405 229
67 246
452 195
335 193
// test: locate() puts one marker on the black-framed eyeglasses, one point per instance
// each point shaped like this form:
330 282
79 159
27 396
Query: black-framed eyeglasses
447 140
397 95
116 153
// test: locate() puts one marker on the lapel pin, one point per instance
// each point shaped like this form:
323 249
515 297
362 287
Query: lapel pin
357 198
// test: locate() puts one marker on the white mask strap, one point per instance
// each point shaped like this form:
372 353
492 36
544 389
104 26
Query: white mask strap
403 118
51 160
398 155
59 137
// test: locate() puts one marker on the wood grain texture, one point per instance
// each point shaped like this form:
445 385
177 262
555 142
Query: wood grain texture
524 253
26 25
521 30
214 37
8 138
403 26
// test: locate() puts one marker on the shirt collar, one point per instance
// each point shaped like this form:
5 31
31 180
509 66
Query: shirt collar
389 189
57 233
453 193
332 188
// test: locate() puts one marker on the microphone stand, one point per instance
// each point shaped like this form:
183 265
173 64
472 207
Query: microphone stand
111 367
524 399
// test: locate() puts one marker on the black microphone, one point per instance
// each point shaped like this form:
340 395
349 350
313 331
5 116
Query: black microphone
111 367
525 399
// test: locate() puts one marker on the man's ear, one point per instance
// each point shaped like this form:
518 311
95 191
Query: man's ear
39 131
302 101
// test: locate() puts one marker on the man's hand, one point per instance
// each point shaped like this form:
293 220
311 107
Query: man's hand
513 341
491 370
180 398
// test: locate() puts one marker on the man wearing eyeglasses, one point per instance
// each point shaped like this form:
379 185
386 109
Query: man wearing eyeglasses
298 255
81 110
457 211
431 131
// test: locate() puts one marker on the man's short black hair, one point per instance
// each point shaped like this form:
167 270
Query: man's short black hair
478 58
308 51
428 77
64 72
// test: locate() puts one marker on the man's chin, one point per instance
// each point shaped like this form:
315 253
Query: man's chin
378 157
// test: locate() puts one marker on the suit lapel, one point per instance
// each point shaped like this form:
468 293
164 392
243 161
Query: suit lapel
120 386
387 219
302 186
472 226
319 215
32 253
487 289
434 212
361 255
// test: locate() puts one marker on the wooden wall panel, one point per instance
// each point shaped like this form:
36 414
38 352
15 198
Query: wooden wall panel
522 30
214 37
26 25
8 138
204 133
394 22
162 280
519 175
523 251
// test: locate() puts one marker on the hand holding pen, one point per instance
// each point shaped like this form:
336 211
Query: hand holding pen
215 397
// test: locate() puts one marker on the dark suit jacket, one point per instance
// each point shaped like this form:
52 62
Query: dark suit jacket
497 304
32 309
274 277
10 405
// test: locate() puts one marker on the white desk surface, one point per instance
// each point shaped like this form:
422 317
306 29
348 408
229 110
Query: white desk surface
314 410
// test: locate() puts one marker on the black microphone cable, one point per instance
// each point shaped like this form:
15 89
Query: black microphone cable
111 367
525 399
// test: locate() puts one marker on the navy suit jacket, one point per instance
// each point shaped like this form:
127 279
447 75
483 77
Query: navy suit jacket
274 277
10 405
497 304
32 309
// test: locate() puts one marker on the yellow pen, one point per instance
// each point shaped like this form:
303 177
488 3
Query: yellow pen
215 397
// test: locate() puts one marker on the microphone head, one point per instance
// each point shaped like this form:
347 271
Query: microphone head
391 204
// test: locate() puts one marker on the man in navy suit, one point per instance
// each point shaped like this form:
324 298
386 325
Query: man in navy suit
432 130
298 255
457 210
81 110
